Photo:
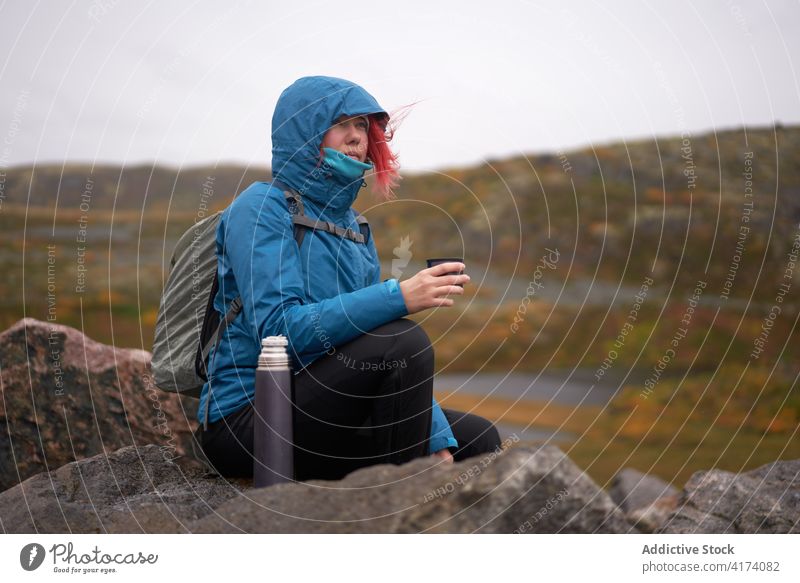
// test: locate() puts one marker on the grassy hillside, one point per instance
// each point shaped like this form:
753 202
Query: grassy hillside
670 210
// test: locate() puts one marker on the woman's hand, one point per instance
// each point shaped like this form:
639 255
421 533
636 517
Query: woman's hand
445 455
430 287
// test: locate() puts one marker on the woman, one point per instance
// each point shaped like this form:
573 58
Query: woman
363 374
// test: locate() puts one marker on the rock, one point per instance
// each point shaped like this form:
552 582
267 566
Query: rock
520 490
66 397
138 490
653 517
646 500
632 490
764 500
133 490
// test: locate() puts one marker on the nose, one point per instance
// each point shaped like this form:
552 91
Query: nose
353 135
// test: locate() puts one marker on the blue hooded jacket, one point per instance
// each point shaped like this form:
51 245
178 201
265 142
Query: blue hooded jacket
318 300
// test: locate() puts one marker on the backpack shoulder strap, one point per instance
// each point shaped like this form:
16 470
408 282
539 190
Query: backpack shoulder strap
329 227
363 226
302 223
295 203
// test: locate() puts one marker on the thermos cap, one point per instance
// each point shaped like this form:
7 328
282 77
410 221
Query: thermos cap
273 354
271 341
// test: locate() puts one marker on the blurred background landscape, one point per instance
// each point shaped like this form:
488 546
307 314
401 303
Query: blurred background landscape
634 302
622 180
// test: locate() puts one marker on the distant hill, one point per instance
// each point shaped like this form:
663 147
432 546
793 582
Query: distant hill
134 188
669 208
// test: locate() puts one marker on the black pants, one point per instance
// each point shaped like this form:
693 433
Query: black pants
368 402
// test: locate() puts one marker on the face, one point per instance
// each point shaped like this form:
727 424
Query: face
349 136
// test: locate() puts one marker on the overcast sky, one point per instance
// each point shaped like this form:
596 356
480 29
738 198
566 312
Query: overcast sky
196 82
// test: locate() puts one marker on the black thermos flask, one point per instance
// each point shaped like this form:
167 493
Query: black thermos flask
273 441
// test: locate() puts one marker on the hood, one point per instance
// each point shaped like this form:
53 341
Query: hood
305 111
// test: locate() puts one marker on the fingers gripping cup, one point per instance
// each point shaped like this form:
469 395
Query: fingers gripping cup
438 260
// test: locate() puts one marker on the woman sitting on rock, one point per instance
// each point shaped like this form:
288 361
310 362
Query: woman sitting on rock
363 374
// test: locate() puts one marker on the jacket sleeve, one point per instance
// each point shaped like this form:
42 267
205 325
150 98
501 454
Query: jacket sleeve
260 249
441 432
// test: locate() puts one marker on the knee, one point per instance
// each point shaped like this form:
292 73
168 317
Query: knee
493 441
486 436
410 339
475 434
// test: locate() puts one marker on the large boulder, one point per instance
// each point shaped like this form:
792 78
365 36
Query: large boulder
137 490
132 490
764 500
523 490
66 397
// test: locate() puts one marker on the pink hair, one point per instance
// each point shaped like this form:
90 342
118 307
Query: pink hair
386 171
387 166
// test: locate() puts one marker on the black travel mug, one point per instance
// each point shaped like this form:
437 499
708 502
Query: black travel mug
438 260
